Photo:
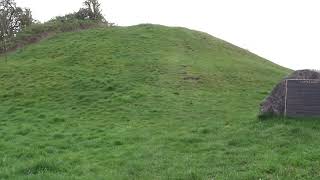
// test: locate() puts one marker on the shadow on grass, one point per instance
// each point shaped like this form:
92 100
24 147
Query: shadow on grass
281 118
306 122
272 117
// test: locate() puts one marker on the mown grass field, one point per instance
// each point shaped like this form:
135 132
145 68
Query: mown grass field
146 102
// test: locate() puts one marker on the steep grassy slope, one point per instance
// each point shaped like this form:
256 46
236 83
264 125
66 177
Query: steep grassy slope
145 102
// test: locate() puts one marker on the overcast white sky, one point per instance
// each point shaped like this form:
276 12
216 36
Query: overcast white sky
286 32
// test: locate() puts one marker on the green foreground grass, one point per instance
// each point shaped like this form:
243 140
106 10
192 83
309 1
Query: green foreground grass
146 102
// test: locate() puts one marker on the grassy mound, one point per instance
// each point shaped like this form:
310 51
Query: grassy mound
145 102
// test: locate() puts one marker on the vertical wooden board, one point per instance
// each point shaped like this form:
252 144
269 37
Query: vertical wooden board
302 98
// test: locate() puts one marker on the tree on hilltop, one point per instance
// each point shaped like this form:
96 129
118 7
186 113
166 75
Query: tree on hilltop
12 20
92 11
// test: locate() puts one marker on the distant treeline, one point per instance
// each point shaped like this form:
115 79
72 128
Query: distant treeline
18 28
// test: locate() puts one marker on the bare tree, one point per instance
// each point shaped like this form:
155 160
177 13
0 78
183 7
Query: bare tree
25 17
9 18
94 10
8 22
12 20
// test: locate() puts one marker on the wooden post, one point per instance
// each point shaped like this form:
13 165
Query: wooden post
285 99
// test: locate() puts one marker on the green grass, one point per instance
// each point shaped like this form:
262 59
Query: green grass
146 102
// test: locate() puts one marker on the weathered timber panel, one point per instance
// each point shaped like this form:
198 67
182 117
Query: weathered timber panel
303 98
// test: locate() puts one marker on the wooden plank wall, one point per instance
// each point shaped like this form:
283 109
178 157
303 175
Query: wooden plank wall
303 98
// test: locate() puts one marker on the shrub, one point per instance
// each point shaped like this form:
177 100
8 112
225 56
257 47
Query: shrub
38 31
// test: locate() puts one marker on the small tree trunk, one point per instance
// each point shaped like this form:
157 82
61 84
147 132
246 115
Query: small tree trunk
4 41
5 49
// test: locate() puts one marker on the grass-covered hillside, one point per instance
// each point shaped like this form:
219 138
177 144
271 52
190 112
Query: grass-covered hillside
146 102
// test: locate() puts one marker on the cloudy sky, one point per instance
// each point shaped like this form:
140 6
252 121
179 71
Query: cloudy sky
286 32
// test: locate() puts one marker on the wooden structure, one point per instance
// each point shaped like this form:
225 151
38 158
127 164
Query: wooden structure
302 98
